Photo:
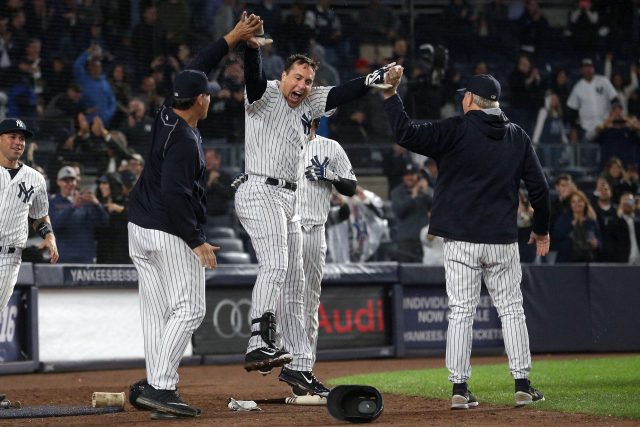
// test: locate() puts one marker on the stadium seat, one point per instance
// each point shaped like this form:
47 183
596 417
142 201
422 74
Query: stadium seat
227 244
216 231
233 258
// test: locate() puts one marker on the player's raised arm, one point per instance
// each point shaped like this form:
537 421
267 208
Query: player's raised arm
255 79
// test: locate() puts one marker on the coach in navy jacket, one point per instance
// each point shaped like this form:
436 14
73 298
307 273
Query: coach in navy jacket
481 159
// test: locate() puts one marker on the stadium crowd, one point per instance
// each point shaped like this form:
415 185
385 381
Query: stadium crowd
569 77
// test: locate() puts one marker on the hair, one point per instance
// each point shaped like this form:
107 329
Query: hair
613 160
563 177
183 103
622 196
484 103
298 58
588 209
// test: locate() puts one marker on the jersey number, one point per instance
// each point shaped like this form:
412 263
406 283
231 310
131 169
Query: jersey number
8 325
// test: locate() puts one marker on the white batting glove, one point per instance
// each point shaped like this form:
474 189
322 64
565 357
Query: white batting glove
377 77
238 180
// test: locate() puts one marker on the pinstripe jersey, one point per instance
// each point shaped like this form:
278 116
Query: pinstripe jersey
315 196
275 133
23 196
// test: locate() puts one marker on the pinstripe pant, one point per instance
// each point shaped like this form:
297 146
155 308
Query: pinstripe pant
314 250
172 300
269 214
9 268
499 265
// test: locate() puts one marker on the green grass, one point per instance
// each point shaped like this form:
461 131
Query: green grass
598 386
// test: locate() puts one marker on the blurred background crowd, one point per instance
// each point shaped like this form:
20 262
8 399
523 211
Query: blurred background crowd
88 76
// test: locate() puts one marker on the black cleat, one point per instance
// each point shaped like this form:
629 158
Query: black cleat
166 401
136 390
526 394
263 359
303 382
462 397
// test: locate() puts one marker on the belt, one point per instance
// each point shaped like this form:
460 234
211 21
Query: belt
9 250
281 183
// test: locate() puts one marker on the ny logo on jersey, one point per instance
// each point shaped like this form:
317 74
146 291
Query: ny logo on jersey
306 123
24 193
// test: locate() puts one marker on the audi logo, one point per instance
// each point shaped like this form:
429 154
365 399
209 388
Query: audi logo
232 318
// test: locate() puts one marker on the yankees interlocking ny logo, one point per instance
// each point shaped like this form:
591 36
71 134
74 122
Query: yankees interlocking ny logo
24 193
20 124
306 123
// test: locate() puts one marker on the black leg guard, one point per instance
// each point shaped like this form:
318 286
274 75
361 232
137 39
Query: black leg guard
267 328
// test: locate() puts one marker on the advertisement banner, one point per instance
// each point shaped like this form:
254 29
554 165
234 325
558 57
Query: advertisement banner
348 317
425 311
11 329
98 275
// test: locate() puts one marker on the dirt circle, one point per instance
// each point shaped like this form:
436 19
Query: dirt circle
209 387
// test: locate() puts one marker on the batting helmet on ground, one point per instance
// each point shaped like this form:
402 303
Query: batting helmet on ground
355 403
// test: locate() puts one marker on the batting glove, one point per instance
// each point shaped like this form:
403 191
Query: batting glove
376 78
238 180
319 171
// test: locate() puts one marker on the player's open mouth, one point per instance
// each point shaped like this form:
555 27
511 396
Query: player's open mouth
295 96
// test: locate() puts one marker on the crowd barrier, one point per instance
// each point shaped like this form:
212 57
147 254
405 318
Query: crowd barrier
87 316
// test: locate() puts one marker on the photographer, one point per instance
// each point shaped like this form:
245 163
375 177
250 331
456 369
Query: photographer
618 136
138 126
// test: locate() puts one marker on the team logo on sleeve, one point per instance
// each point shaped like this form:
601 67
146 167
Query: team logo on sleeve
25 194
306 123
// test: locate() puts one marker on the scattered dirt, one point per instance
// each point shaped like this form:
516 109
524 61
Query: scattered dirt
209 387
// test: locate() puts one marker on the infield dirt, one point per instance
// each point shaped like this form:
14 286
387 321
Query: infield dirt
209 387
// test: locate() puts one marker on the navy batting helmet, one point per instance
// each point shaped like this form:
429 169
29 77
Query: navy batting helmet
355 403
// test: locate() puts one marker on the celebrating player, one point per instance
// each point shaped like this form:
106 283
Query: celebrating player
24 196
481 159
167 211
278 117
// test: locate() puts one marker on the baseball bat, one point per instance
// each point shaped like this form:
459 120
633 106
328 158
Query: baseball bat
297 400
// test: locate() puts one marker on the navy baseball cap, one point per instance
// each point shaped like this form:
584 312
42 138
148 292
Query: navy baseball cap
191 83
15 125
484 85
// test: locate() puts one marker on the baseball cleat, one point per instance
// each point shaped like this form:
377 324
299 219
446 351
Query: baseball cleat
526 395
303 381
135 390
462 397
166 401
263 358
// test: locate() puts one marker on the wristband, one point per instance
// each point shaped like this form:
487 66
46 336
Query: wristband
43 229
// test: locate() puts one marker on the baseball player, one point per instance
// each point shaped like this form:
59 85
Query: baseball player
278 117
167 212
23 195
328 167
481 159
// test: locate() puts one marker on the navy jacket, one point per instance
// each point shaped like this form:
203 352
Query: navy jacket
481 159
170 195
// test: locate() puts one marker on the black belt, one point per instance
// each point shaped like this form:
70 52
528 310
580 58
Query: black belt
288 185
10 250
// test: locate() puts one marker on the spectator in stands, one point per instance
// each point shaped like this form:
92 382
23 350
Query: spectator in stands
619 136
175 17
603 206
296 31
338 230
560 204
369 228
590 99
219 191
533 27
411 205
623 234
430 173
62 111
560 86
527 94
432 248
576 232
525 225
132 169
137 127
112 243
583 27
19 35
549 127
617 80
400 55
394 162
326 74
113 144
273 64
224 19
326 29
6 49
146 48
149 94
227 104
496 16
618 178
122 91
79 144
57 78
97 96
75 215
377 26
271 15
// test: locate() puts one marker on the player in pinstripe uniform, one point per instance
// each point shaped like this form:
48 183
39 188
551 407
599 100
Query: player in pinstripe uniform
327 166
481 159
23 195
278 117
167 213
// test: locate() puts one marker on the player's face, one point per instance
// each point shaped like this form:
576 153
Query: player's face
204 100
296 84
12 145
